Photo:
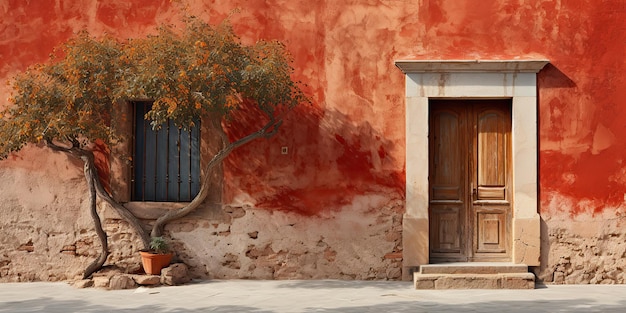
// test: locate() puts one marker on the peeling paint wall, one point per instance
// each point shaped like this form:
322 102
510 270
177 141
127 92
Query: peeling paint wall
342 183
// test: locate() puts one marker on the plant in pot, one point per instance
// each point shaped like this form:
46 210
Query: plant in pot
157 257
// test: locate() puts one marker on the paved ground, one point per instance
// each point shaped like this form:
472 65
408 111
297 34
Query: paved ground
307 296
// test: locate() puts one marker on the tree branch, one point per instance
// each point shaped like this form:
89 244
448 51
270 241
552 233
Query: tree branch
59 148
266 131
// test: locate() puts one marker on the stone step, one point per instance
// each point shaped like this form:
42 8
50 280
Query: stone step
474 281
473 268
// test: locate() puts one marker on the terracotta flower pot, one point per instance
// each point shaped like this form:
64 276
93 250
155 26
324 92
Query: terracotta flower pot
153 262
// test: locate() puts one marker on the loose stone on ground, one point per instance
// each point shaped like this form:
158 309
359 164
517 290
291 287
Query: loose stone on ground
114 279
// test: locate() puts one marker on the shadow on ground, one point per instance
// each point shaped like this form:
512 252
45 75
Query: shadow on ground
50 305
46 304
575 306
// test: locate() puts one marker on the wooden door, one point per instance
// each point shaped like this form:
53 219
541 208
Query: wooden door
470 179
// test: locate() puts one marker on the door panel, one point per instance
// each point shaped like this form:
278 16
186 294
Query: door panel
492 132
491 228
447 155
469 175
446 229
447 175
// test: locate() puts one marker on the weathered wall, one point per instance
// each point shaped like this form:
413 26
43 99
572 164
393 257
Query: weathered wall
256 243
589 250
581 114
342 183
43 228
331 208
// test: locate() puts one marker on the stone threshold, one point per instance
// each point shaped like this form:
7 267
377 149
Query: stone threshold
474 275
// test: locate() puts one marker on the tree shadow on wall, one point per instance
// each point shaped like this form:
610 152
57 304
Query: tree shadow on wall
319 161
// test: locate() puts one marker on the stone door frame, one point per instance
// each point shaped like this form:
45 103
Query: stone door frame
477 79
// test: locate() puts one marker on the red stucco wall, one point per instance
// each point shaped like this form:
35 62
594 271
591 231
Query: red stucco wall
350 141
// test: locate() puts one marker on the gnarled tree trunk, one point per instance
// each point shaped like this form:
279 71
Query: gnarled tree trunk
96 189
91 177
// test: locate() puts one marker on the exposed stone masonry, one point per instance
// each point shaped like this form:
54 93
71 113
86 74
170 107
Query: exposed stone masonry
257 244
587 252
229 243
246 242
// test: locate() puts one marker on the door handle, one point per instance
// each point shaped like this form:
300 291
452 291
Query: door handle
474 192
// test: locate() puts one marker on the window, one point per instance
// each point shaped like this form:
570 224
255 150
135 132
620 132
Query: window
166 163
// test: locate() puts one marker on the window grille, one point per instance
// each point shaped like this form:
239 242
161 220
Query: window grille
166 163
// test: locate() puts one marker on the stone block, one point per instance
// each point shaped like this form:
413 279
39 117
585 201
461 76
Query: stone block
526 281
144 280
101 281
424 283
175 274
473 268
475 281
414 243
526 241
121 282
83 283
468 282
393 255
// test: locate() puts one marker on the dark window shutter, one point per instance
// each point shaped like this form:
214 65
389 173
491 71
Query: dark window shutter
166 163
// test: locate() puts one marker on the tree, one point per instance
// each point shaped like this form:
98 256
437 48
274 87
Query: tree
197 72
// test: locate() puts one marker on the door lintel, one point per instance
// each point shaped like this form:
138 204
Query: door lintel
471 66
